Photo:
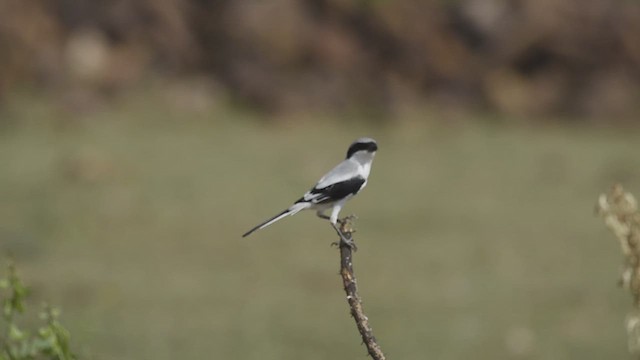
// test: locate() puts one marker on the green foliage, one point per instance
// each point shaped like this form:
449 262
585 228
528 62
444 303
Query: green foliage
50 341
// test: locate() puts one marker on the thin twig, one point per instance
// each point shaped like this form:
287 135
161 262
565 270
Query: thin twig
350 287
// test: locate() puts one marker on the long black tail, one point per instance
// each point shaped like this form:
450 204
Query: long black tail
290 211
268 222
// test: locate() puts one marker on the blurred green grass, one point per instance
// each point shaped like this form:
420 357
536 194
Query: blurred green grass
476 241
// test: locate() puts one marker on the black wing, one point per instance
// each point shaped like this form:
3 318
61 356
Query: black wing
333 192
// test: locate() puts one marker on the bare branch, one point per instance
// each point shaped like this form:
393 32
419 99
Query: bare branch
347 247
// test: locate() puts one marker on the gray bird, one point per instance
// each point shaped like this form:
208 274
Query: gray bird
336 187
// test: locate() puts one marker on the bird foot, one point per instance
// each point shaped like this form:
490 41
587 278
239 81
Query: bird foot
344 239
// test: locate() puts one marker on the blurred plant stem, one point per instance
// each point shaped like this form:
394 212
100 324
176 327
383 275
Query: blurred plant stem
619 209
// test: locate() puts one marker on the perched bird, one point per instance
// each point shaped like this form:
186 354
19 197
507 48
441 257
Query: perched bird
335 187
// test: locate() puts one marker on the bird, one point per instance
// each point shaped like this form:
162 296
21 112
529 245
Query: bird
335 188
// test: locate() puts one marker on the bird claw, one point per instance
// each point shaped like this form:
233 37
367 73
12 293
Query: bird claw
348 241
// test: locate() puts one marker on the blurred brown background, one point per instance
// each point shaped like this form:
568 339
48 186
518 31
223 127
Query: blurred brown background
568 58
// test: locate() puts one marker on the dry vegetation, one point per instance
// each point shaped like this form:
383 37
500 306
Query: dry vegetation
620 212
524 57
